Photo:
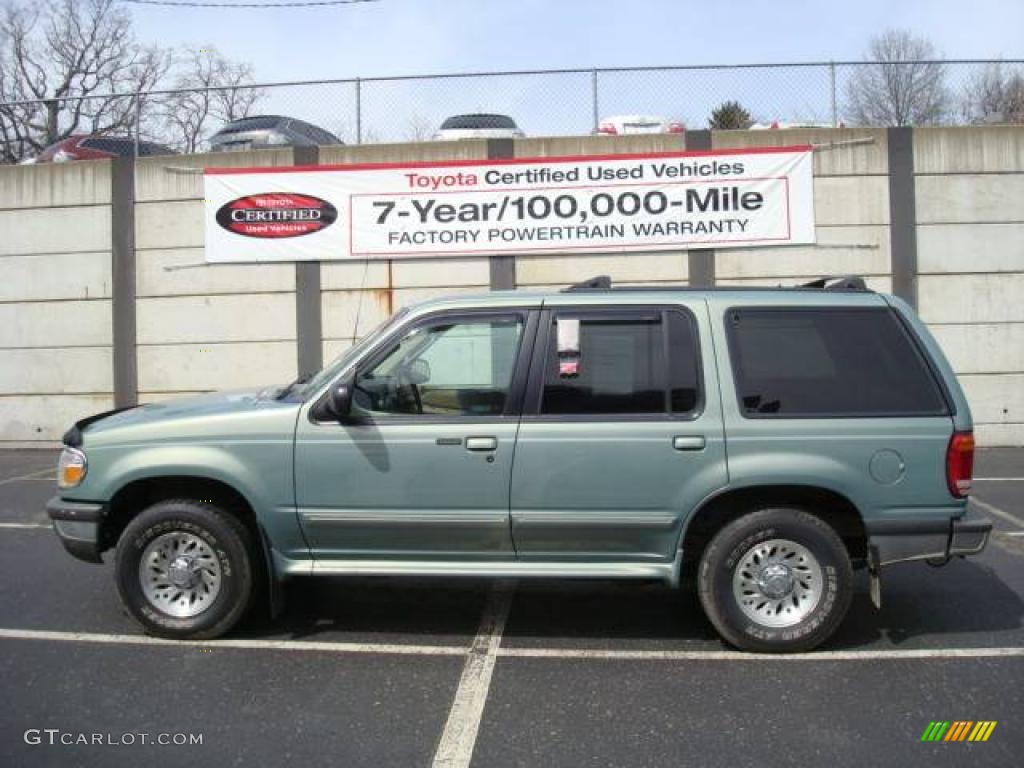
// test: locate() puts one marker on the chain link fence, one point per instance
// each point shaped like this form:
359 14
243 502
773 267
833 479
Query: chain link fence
544 102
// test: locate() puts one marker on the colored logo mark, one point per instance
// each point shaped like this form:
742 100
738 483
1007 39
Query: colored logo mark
958 730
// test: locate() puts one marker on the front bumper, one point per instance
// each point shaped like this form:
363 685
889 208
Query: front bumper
78 525
928 539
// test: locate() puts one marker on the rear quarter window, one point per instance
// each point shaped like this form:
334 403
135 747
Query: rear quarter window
822 362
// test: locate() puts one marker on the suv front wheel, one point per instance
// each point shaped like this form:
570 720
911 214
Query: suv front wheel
183 569
775 581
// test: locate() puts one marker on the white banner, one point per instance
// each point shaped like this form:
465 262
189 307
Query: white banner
664 201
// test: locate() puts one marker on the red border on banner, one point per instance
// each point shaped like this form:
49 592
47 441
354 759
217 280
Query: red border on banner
510 160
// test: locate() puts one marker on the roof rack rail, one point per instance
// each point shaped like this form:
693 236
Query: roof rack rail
598 283
846 283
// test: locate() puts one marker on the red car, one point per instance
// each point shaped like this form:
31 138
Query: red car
92 147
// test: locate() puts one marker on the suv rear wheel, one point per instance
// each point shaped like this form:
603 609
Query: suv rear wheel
775 581
183 569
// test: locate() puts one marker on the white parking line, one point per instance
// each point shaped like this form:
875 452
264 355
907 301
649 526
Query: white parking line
39 474
487 644
269 645
455 750
870 655
24 525
1000 479
992 510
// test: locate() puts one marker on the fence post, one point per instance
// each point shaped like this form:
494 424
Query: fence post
835 101
700 261
502 266
903 213
138 120
122 241
594 100
309 342
359 111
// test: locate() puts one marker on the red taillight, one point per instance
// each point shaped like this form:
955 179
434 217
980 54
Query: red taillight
676 128
960 463
608 129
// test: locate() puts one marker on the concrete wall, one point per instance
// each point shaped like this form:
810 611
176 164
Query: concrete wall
55 298
200 327
969 184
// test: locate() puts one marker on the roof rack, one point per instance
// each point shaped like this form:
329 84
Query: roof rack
849 283
598 283
845 283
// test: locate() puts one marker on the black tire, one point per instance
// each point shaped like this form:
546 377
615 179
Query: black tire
729 549
229 542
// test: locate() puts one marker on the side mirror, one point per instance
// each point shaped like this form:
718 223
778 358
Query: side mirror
340 397
418 372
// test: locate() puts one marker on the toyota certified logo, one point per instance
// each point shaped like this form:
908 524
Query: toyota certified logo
276 214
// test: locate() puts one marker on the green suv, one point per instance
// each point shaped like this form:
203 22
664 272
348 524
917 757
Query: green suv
767 441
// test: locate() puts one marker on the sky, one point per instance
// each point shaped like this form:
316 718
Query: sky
403 37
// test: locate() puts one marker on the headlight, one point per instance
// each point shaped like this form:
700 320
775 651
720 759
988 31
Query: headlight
71 468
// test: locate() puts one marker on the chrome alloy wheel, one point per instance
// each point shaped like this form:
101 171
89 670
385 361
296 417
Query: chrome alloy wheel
180 574
777 583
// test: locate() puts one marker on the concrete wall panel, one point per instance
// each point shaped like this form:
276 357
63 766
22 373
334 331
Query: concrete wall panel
342 308
179 177
211 319
428 273
55 324
81 370
945 248
847 200
55 230
189 367
991 435
51 276
177 224
971 298
995 399
839 251
197 278
55 184
44 418
433 151
969 149
837 157
622 267
982 347
970 198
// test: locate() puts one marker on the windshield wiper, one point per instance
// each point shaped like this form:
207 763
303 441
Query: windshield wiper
304 378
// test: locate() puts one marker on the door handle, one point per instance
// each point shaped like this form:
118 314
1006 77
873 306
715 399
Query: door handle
481 443
688 442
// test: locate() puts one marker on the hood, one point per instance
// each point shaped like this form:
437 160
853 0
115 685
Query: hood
200 414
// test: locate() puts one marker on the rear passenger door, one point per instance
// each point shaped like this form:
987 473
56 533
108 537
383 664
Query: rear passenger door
613 453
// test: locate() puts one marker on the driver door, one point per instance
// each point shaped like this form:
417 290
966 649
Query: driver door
421 469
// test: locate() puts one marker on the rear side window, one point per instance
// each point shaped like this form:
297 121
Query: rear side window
119 147
629 363
478 122
829 362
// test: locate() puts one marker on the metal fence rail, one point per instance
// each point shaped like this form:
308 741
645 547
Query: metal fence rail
550 102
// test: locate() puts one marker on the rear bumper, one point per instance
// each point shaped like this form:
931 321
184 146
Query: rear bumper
927 539
77 523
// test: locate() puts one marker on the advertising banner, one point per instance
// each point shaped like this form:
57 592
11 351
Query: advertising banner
607 203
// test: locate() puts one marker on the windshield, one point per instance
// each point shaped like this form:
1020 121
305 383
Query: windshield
345 358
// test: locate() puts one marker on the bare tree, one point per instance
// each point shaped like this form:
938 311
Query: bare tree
903 85
995 95
56 50
418 128
212 91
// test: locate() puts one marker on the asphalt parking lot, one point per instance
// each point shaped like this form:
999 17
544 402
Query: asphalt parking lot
388 672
